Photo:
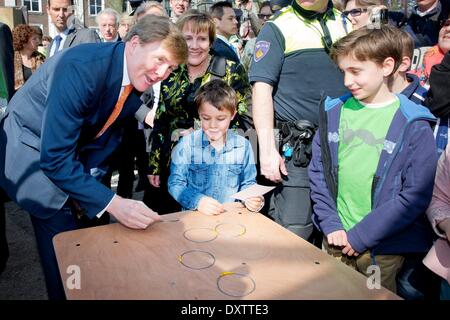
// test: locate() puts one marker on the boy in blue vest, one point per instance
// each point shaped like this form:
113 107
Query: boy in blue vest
211 164
374 160
403 82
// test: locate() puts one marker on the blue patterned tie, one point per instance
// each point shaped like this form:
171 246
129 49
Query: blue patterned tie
58 39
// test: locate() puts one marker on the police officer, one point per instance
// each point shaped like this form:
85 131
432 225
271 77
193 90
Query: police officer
290 70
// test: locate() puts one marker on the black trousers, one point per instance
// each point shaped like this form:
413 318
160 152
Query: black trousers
159 199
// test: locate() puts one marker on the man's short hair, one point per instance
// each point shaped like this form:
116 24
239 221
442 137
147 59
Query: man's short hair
71 2
153 28
146 5
110 12
219 94
367 44
217 9
198 22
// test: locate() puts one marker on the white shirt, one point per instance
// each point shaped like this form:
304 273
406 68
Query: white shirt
63 36
113 40
125 81
424 13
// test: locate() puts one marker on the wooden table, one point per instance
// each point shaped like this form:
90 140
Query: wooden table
236 255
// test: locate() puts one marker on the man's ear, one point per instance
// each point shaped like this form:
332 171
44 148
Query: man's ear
134 41
388 66
406 63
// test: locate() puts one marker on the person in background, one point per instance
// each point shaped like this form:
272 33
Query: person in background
108 24
426 20
435 54
125 23
177 8
26 56
40 34
43 48
439 210
402 81
360 12
265 12
226 23
149 7
70 33
226 164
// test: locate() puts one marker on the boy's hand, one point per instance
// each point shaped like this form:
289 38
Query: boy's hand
348 250
337 238
444 225
254 204
210 206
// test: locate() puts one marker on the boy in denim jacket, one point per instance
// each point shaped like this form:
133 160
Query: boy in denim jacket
373 162
211 164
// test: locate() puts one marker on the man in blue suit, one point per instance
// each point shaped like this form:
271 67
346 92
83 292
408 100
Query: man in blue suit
64 123
226 26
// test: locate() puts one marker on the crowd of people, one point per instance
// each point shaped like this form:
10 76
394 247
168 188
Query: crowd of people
353 139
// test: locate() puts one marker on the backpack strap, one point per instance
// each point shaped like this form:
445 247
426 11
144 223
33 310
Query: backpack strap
217 67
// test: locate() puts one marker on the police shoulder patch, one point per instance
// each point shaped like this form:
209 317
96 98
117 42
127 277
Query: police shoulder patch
261 49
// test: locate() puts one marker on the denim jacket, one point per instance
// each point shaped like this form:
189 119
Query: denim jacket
198 170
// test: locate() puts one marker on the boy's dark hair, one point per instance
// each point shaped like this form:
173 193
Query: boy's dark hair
368 44
219 94
217 9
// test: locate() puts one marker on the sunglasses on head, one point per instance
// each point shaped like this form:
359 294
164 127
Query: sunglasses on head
445 23
354 12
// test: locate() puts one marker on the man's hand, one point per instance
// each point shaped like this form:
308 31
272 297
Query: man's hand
131 213
271 166
210 206
444 225
154 180
337 238
254 203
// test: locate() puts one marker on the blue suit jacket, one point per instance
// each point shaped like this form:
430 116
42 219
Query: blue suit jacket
48 149
222 49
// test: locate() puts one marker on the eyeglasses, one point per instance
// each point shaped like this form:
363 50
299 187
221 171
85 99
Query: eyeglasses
354 12
264 16
445 23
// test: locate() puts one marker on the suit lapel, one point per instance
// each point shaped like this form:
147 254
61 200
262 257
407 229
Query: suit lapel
70 37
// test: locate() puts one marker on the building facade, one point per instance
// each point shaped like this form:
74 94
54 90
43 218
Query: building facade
85 10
